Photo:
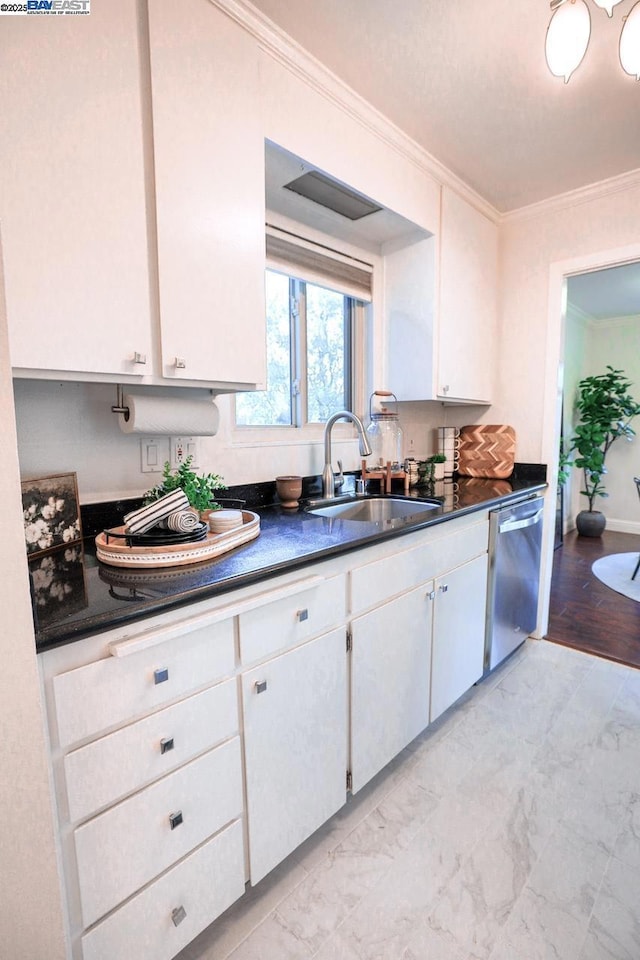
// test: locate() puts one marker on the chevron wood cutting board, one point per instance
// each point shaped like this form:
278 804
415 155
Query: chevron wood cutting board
487 450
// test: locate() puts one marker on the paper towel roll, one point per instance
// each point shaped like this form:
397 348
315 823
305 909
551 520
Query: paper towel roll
170 417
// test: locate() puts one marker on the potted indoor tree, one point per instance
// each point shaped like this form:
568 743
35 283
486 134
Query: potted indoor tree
605 409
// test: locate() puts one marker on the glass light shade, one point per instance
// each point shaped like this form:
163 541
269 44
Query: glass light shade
607 5
630 43
568 38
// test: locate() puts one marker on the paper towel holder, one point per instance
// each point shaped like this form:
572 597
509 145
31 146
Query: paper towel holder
119 406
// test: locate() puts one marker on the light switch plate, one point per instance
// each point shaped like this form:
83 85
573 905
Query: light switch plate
154 452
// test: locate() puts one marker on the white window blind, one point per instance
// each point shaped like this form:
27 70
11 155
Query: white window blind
318 264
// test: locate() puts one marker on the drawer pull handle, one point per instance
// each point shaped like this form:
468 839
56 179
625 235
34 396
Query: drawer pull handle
431 595
261 686
160 676
180 363
443 587
166 744
302 615
139 357
175 819
178 914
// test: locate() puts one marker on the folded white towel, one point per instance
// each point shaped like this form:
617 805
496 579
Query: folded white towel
146 517
183 521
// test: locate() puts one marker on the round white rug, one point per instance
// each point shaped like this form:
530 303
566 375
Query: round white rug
615 572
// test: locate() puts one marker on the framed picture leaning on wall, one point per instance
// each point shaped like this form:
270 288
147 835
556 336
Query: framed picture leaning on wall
51 512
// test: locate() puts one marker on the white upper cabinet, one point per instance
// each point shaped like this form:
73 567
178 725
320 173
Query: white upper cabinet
440 309
72 192
467 312
409 292
209 170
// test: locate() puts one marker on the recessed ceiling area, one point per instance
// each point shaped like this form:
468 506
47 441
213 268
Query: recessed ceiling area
469 83
607 294
371 232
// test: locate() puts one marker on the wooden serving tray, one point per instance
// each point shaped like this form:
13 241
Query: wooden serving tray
487 450
118 554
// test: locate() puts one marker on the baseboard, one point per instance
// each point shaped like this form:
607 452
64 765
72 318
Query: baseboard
623 526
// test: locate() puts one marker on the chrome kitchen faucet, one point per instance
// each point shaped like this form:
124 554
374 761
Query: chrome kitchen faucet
328 479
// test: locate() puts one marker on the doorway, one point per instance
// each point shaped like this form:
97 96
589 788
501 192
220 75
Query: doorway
601 327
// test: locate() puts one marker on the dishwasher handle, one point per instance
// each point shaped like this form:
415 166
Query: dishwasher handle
510 525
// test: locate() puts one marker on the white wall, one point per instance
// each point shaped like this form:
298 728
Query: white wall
30 912
539 247
575 361
530 325
616 343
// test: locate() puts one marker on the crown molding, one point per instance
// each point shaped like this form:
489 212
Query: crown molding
565 201
279 45
574 312
624 321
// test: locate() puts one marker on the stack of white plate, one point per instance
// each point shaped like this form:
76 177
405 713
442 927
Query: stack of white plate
221 521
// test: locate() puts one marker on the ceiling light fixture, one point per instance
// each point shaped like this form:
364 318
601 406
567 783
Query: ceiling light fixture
630 43
569 32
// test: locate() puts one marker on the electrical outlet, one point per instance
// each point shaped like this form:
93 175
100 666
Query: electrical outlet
181 448
154 452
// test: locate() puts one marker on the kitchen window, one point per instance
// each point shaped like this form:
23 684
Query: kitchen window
315 305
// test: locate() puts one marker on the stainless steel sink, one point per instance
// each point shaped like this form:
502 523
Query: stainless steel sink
374 509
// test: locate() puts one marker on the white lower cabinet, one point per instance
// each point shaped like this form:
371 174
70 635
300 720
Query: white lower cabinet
390 672
133 842
197 751
295 732
458 633
162 919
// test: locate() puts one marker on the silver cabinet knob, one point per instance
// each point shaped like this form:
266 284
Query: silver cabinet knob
166 744
178 914
161 675
302 615
139 357
431 595
180 363
443 587
175 819
260 686
445 388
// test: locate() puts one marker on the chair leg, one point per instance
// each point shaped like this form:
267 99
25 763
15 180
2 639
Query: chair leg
636 569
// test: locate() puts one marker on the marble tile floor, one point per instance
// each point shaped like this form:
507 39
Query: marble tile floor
509 830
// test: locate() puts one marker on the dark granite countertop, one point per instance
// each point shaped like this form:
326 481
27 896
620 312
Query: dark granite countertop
75 596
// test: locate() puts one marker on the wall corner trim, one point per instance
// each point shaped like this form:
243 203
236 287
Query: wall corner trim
283 48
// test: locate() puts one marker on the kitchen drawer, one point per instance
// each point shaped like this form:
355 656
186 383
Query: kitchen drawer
376 582
116 689
107 769
203 886
284 623
128 845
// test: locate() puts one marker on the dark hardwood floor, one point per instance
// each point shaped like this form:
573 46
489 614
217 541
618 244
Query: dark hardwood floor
584 612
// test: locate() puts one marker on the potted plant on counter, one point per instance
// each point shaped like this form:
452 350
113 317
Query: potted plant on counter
605 409
199 488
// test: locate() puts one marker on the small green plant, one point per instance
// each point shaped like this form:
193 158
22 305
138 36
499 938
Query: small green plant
605 408
199 489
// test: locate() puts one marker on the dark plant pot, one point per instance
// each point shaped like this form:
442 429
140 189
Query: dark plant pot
590 523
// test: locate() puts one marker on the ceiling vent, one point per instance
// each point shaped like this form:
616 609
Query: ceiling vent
315 186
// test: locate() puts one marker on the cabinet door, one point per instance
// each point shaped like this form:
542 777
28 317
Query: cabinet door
72 192
295 730
390 669
458 633
409 290
467 313
209 166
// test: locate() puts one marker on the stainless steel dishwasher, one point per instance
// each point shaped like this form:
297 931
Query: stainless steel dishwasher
515 538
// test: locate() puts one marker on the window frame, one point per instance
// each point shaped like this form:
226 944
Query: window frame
367 330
